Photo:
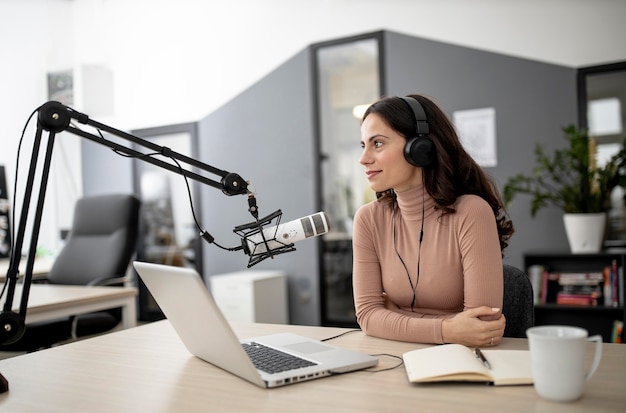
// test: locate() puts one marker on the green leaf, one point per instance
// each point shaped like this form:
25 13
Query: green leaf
570 179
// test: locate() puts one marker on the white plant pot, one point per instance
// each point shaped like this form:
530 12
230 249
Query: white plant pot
585 232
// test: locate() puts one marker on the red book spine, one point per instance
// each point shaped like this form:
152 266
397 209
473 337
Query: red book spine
614 285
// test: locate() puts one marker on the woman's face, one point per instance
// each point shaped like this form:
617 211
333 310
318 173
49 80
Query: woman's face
383 157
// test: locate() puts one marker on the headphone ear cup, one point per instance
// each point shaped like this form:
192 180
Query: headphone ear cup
419 151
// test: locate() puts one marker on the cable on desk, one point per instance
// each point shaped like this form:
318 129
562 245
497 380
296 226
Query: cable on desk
374 355
387 368
342 334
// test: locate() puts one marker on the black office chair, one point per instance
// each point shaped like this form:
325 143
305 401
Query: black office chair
518 306
97 251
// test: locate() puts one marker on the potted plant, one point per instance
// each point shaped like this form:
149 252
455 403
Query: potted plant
573 181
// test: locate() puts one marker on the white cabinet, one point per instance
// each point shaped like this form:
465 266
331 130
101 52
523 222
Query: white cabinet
252 296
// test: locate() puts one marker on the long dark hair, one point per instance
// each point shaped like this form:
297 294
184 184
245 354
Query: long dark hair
453 172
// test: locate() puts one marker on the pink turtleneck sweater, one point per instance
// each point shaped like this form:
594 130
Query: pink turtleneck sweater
460 265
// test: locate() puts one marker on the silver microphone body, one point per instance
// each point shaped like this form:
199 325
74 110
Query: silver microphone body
288 233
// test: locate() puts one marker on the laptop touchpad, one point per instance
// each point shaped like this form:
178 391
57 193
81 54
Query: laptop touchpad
307 347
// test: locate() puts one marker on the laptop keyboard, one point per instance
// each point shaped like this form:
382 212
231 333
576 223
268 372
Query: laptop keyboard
273 361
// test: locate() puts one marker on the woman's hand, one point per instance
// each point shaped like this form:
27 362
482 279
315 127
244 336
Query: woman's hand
468 329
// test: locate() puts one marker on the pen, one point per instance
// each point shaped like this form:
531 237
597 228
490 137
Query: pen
482 358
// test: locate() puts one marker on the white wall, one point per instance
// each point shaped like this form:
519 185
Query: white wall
34 38
177 61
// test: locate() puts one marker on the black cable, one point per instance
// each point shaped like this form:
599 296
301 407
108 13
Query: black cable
356 330
166 152
419 255
204 234
374 355
419 248
401 363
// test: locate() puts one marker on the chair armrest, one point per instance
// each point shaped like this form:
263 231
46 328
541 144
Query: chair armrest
126 280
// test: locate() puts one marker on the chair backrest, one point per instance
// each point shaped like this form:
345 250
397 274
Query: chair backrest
518 306
101 241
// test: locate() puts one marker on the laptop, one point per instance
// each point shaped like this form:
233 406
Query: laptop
196 318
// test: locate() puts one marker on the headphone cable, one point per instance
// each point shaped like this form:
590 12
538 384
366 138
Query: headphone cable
419 248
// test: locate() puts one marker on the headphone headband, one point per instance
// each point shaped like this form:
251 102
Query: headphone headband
421 123
419 150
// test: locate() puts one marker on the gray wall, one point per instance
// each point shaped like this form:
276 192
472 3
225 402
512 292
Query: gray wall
104 171
265 135
533 100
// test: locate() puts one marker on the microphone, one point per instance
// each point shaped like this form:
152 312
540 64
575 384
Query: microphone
260 243
279 236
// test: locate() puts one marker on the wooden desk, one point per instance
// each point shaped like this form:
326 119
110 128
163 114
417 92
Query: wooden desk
47 301
147 369
41 267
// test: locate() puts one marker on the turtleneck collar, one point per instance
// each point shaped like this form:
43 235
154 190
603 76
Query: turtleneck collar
410 203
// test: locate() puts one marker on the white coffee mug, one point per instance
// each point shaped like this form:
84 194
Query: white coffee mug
557 355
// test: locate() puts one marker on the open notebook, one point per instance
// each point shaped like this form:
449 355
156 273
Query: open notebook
190 308
455 362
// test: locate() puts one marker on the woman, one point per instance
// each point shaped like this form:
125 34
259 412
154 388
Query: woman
428 252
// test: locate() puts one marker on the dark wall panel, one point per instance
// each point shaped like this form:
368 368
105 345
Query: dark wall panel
104 171
533 100
266 136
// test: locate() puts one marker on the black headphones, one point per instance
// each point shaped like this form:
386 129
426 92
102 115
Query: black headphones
419 149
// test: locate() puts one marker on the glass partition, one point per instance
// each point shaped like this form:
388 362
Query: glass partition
347 79
602 101
602 110
168 234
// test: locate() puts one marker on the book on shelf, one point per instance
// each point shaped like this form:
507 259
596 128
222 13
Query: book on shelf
458 363
592 288
576 299
616 334
613 285
581 278
535 273
580 288
549 287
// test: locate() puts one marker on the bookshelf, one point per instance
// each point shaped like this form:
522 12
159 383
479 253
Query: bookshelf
597 319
